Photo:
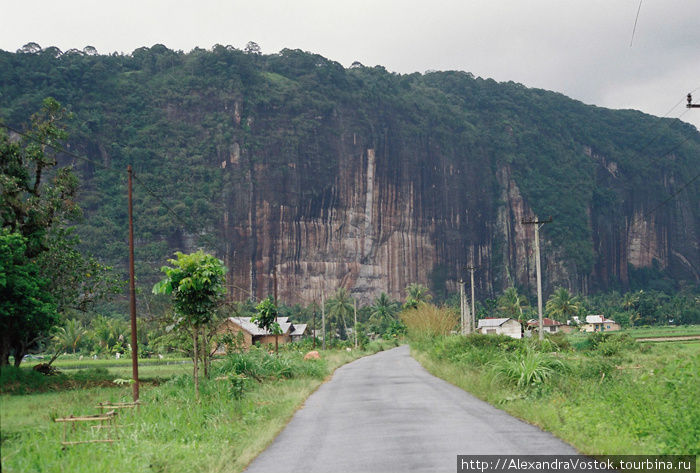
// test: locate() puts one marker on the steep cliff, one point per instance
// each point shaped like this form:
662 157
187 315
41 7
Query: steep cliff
292 168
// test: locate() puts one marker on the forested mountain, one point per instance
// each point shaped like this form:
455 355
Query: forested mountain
290 164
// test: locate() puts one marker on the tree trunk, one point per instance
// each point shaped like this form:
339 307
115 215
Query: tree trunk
20 349
195 336
205 353
5 348
277 347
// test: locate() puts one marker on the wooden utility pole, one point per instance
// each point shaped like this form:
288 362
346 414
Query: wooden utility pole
472 316
354 328
132 295
323 318
462 305
274 294
314 332
538 224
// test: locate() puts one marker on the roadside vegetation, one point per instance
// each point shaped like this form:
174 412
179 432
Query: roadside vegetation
602 393
248 399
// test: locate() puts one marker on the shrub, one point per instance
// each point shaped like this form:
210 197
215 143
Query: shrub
527 368
258 364
594 367
612 344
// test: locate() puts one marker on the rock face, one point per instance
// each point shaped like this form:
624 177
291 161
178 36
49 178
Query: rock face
380 212
306 177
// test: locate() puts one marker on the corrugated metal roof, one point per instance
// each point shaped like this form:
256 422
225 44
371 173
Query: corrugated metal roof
598 319
492 322
253 329
299 330
546 322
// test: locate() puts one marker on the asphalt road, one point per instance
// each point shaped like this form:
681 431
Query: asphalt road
385 413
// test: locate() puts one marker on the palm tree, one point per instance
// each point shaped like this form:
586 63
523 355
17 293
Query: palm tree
562 305
69 336
382 312
339 308
416 294
512 304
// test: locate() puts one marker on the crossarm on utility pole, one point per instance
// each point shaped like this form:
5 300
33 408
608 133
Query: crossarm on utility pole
538 224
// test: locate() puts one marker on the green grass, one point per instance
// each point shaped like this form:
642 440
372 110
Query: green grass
71 362
171 432
633 399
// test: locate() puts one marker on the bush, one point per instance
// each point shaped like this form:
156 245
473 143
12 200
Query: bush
527 368
612 344
258 364
594 367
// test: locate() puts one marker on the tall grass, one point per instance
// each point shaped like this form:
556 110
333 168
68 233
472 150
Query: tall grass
644 398
427 321
259 364
527 368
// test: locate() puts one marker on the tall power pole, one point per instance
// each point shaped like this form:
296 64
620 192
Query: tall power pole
462 305
132 296
538 224
472 316
323 318
354 328
314 331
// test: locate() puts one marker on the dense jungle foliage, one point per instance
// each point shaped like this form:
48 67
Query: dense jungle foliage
165 111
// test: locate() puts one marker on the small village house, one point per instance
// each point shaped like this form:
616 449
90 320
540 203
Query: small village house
548 325
504 326
598 323
253 334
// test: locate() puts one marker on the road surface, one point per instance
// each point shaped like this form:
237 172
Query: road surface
385 413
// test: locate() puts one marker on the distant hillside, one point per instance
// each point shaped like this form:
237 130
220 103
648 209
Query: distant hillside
359 177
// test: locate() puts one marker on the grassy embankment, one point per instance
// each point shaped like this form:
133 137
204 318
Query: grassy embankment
603 395
171 432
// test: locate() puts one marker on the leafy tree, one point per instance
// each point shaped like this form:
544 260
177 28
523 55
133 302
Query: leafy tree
562 306
266 318
30 205
27 311
196 282
38 201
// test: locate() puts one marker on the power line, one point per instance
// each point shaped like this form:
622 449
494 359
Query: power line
635 22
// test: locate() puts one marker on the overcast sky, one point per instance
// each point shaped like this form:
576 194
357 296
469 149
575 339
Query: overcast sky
579 48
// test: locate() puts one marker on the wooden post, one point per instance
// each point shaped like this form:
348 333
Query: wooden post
323 318
462 317
538 223
314 331
354 328
132 296
472 316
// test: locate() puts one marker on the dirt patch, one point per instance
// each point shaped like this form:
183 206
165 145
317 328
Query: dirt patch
679 338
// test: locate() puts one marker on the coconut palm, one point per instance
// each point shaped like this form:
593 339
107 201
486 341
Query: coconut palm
382 313
512 304
416 294
69 335
339 308
562 305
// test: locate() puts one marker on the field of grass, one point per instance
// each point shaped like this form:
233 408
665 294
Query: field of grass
612 396
663 331
171 432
